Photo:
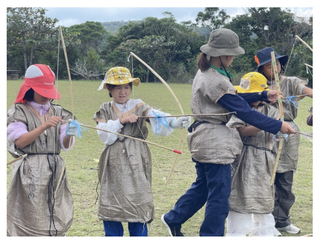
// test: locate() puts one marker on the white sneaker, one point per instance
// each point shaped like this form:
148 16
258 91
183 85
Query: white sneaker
291 229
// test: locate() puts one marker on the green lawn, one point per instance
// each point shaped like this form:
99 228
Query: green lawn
82 159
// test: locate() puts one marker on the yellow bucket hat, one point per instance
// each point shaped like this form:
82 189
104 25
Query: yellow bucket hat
252 82
118 76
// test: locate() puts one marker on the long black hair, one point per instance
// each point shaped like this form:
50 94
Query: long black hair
29 95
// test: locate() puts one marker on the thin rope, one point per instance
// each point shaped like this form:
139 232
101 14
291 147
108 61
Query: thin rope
153 156
293 46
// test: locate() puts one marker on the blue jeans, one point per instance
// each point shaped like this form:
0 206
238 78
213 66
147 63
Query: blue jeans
112 228
212 186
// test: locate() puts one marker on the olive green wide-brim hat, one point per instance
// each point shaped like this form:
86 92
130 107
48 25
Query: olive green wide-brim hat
222 42
118 76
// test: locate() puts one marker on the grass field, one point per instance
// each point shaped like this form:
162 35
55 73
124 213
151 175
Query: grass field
82 159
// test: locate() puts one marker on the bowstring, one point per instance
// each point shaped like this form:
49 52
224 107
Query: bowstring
52 179
293 46
153 156
289 59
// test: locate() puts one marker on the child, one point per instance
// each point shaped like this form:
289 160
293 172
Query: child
252 198
290 86
34 128
125 164
212 144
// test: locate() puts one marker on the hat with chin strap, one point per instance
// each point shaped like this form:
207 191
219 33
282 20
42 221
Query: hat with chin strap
118 76
41 79
222 42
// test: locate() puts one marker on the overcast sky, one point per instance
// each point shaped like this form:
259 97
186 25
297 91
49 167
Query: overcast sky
70 16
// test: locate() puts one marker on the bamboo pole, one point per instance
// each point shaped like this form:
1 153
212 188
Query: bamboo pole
19 158
191 115
304 43
126 136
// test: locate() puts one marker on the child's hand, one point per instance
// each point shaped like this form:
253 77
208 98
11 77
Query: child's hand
287 129
182 122
72 129
273 96
53 121
130 119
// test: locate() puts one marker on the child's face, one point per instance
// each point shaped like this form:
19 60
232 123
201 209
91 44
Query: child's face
121 93
40 99
268 71
227 60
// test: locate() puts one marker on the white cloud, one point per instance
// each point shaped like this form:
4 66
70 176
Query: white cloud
69 22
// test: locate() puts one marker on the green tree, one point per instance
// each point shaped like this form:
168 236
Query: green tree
164 44
89 67
212 18
274 27
30 29
90 34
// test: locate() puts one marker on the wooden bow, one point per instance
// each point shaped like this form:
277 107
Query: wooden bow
177 101
72 105
276 75
304 43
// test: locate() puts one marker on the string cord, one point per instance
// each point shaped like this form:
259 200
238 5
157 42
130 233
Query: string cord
153 156
51 195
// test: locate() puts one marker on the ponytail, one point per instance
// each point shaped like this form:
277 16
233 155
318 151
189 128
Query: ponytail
203 62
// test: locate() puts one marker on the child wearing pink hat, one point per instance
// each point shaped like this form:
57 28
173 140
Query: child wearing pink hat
35 207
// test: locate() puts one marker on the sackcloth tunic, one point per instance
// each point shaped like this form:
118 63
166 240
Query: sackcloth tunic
252 170
212 141
125 169
32 208
288 161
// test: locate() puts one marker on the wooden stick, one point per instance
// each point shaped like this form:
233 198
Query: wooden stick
192 115
308 65
276 76
304 134
302 95
304 43
68 69
19 158
72 104
126 136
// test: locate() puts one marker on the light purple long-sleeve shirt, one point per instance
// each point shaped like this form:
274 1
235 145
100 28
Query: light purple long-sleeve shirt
17 129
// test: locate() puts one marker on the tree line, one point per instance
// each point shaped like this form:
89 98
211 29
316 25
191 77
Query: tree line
169 47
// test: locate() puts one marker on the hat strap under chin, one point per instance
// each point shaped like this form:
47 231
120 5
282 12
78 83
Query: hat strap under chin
225 69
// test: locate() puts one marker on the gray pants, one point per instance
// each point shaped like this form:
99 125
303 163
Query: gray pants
284 198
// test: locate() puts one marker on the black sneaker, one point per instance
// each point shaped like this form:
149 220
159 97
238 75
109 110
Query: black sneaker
173 231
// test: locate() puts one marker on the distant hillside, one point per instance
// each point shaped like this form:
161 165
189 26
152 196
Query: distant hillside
113 26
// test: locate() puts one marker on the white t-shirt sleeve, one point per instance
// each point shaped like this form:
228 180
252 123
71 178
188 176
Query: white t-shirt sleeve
111 125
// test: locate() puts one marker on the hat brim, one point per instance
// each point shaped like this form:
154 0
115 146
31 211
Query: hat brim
215 52
104 83
242 90
282 58
51 93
